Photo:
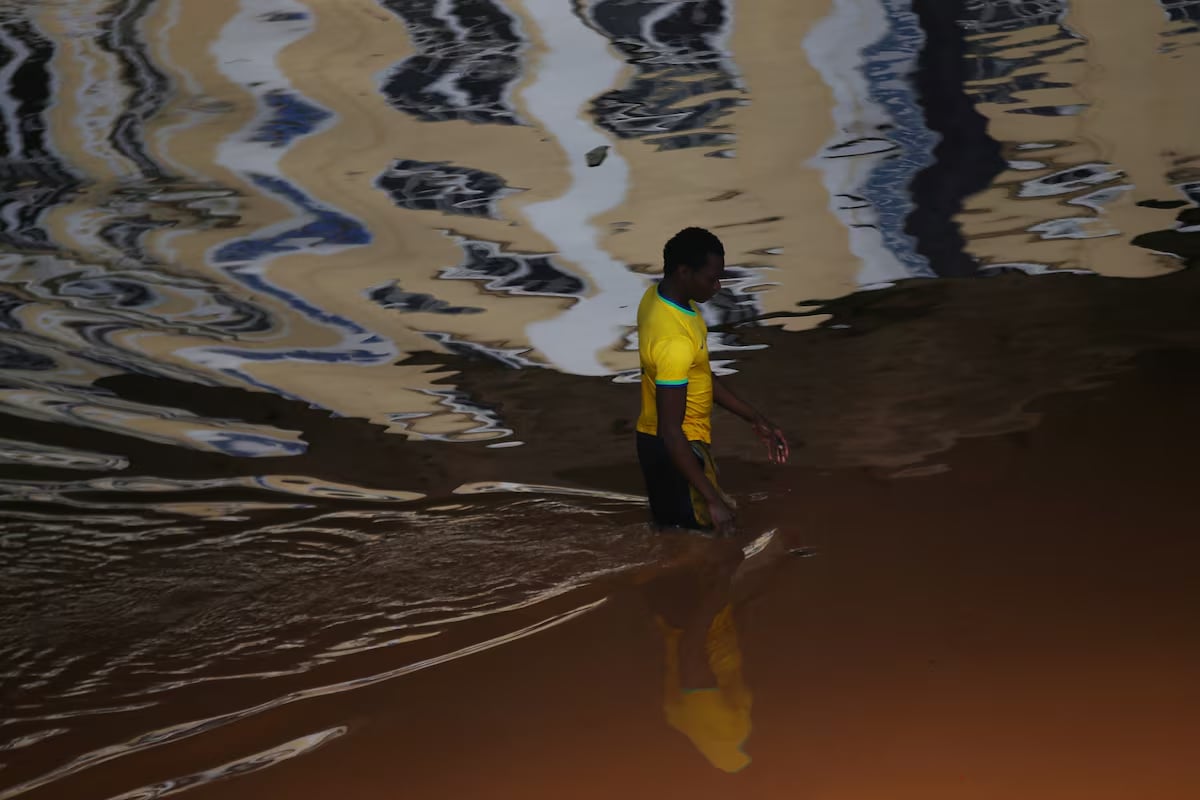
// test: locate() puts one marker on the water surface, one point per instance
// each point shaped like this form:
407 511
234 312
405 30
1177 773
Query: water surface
317 351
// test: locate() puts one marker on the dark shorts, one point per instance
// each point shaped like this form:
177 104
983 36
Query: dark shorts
674 503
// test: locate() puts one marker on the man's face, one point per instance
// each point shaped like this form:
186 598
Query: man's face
703 283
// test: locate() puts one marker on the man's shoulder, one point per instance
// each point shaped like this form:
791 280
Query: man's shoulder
648 297
653 313
645 310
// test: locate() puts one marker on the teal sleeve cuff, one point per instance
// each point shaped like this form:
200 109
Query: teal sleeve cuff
671 383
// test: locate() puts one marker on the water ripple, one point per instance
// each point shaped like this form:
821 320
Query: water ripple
242 766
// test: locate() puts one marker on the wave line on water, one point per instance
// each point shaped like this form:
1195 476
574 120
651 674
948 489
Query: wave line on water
490 487
186 730
242 766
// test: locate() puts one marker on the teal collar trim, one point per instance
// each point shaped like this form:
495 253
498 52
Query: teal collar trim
673 304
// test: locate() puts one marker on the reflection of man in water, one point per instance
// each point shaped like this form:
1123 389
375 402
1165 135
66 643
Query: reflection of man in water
674 429
699 609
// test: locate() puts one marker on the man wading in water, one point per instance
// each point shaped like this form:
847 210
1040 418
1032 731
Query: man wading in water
674 430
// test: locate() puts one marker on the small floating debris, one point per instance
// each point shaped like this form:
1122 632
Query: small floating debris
595 157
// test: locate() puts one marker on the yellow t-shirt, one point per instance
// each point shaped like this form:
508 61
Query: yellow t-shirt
672 344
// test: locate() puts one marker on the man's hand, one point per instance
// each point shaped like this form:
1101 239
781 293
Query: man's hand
722 516
771 434
773 437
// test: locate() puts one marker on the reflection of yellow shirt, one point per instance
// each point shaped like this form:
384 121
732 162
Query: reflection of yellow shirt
717 721
673 351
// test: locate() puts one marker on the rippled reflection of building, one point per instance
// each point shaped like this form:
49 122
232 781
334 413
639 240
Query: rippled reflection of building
698 119
161 227
80 185
684 82
469 159
675 117
34 176
188 212
1088 101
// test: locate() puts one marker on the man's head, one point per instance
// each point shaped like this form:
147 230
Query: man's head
693 261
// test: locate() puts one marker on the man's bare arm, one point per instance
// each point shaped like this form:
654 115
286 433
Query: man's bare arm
727 399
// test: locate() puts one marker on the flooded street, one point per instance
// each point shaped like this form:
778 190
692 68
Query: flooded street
319 375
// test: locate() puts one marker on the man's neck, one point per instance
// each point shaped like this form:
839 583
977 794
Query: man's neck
668 290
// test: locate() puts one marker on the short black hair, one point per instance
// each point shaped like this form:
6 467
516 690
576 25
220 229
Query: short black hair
691 247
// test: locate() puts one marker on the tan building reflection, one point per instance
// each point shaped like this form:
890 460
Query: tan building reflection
212 201
300 222
767 203
1121 133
